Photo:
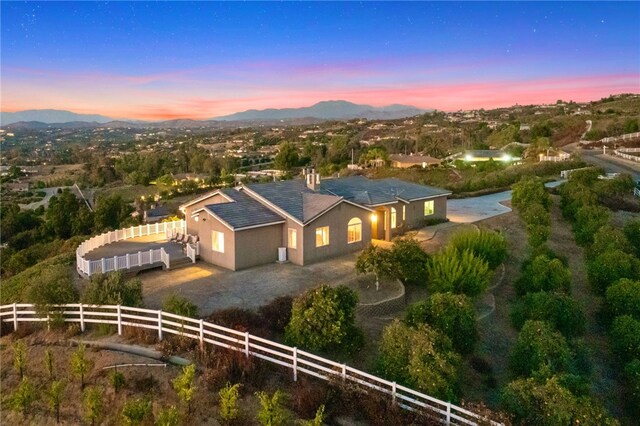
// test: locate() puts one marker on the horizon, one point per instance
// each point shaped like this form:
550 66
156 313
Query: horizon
163 61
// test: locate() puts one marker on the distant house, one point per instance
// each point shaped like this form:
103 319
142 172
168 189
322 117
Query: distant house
155 214
403 161
305 221
486 155
17 186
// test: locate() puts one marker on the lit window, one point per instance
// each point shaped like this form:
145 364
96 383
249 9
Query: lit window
428 208
393 217
404 213
354 230
293 238
217 241
322 236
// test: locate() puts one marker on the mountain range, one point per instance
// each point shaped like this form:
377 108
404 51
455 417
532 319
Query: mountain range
326 110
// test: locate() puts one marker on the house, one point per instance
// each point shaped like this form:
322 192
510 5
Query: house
17 186
155 214
403 161
305 221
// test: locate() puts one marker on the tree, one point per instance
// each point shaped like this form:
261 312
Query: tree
559 310
23 396
54 286
134 412
543 273
611 266
528 191
485 244
324 318
20 357
111 211
376 260
318 420
632 374
287 157
272 412
458 272
49 364
55 395
625 337
373 155
539 346
588 220
168 417
229 401
453 315
93 398
419 357
113 289
117 380
184 385
608 238
409 261
180 306
623 298
62 212
80 364
632 231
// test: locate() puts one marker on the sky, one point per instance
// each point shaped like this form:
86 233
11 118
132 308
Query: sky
166 60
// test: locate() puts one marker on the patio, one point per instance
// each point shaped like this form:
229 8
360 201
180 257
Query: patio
135 245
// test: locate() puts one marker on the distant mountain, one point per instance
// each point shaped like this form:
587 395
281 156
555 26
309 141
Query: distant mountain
50 116
328 110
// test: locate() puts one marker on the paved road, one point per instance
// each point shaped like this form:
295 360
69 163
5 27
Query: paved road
609 163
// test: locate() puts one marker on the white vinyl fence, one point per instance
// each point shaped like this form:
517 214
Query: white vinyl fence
129 260
620 138
624 153
206 333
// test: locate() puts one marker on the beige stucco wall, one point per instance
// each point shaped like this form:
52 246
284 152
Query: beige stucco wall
203 228
337 220
295 256
257 246
415 211
215 199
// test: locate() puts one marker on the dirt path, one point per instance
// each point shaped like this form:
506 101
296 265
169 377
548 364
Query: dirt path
603 378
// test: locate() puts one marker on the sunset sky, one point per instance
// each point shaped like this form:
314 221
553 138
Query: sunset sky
156 61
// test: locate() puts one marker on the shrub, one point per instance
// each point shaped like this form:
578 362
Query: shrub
574 197
625 337
55 394
49 364
451 314
609 267
80 364
237 318
375 260
229 401
409 261
419 357
485 244
134 412
323 318
632 374
538 346
543 274
632 232
608 238
318 420
20 357
23 397
53 286
113 289
587 222
184 385
272 412
168 417
276 314
459 272
117 380
93 398
560 311
623 298
528 191
180 306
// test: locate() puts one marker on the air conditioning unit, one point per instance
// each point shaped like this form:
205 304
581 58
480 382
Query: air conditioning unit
282 254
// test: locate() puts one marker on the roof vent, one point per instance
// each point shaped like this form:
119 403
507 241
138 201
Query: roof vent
313 180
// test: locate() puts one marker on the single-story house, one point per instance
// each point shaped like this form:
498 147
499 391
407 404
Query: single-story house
155 214
305 221
404 161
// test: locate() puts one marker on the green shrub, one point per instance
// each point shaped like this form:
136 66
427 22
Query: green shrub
20 357
559 310
528 191
543 274
539 346
632 232
537 234
451 314
375 260
113 289
134 412
419 357
324 318
229 395
184 385
80 364
608 238
93 401
23 397
409 261
632 375
276 314
588 220
486 244
55 395
460 272
272 411
179 305
623 298
625 337
610 267
168 417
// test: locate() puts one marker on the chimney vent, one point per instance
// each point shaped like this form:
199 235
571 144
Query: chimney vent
313 180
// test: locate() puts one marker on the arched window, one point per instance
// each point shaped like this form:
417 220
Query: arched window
394 217
354 230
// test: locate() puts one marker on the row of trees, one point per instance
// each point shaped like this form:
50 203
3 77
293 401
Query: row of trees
613 267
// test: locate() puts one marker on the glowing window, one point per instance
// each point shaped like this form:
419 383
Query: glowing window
217 241
354 230
322 236
404 213
394 215
428 208
292 238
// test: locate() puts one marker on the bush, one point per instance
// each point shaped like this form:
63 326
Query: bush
134 412
53 286
375 260
538 346
608 238
180 306
409 261
528 191
560 311
632 232
632 374
460 272
276 314
113 289
168 417
23 397
609 267
451 314
229 395
237 318
272 412
324 318
485 244
184 385
421 358
623 298
625 337
588 220
543 274
93 401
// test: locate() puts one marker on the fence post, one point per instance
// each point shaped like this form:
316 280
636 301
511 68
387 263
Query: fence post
104 265
344 371
393 392
150 256
201 334
128 261
448 413
295 364
246 344
115 263
139 258
15 316
119 321
159 325
82 317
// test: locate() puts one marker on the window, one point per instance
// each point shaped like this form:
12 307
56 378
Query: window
292 238
354 230
322 236
393 217
404 213
217 241
428 208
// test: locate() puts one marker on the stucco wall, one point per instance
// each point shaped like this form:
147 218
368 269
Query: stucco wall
215 199
295 256
415 211
337 220
257 246
202 228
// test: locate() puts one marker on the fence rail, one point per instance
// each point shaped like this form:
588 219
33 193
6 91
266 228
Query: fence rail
623 152
129 260
207 333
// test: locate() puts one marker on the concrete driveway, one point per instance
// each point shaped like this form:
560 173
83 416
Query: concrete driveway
212 288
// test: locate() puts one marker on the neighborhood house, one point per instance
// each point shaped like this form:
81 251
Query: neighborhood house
306 220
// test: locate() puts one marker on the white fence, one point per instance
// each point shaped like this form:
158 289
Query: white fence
620 138
555 158
623 152
296 360
129 260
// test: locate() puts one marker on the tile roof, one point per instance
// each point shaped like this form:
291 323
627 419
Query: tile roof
243 211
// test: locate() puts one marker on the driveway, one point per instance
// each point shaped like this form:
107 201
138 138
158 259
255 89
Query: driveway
212 288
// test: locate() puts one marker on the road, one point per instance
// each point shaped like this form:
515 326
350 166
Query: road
609 163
